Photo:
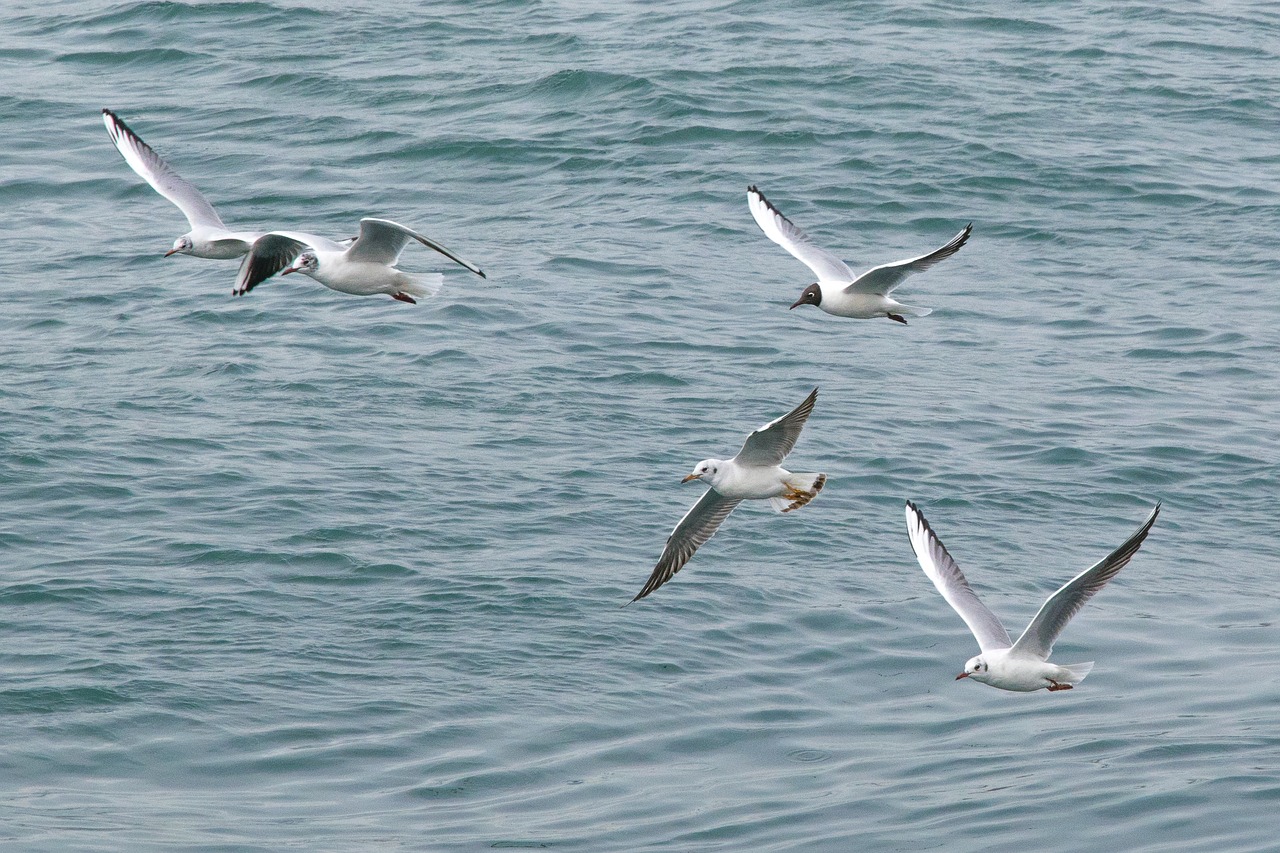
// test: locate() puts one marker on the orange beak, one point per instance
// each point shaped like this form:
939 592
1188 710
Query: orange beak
962 675
691 477
171 252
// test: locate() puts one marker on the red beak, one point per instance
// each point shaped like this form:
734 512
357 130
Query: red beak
962 675
171 252
287 271
798 302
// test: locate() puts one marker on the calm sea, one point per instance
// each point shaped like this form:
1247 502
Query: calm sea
307 571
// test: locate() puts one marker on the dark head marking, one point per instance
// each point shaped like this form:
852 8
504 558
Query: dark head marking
812 296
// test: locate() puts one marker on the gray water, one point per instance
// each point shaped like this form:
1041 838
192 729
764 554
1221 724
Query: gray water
302 570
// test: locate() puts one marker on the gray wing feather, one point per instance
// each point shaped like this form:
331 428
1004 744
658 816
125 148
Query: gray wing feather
698 525
788 235
884 278
771 443
270 254
381 241
1039 637
163 179
951 582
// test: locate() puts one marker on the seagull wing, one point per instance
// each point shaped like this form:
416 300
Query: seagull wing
950 581
155 171
381 241
698 525
269 254
884 278
784 232
1038 639
770 444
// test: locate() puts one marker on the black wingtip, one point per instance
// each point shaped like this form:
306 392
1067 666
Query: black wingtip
810 400
924 522
918 516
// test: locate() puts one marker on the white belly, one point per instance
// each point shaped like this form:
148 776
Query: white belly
1022 674
361 279
860 306
737 481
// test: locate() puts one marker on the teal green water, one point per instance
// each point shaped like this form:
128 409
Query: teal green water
302 570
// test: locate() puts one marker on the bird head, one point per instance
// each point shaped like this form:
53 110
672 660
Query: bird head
812 295
306 262
976 667
181 246
707 468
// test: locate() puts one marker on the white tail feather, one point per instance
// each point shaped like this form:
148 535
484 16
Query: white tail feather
423 285
1077 671
807 485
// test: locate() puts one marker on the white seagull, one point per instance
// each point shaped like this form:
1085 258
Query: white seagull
208 237
838 291
1023 666
363 267
755 473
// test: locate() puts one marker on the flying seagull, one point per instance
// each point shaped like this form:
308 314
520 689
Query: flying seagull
208 237
1023 666
363 267
838 291
756 473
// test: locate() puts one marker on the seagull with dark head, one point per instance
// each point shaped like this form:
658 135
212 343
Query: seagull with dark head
838 291
363 266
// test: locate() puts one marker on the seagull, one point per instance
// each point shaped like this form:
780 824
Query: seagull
1023 666
755 473
364 266
838 291
208 237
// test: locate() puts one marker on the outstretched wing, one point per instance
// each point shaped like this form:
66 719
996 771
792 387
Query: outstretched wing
155 171
1038 639
770 444
269 254
698 525
884 278
951 582
381 241
788 235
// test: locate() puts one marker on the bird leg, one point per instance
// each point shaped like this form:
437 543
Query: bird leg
1053 685
404 297
897 318
797 498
